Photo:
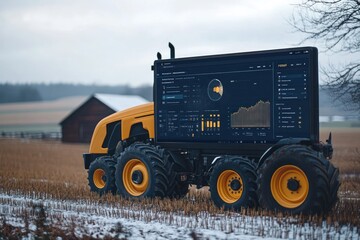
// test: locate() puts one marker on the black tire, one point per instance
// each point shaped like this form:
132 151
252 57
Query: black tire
101 175
333 175
313 194
153 180
177 188
246 170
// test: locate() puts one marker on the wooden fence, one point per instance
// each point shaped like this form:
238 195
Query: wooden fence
32 135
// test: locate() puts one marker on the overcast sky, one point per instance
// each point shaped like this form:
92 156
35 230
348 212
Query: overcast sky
115 42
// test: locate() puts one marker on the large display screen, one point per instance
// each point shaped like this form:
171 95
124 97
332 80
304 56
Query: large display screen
255 97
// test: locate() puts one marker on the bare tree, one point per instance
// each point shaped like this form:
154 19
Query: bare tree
337 23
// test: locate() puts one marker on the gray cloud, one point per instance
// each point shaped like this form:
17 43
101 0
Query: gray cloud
115 42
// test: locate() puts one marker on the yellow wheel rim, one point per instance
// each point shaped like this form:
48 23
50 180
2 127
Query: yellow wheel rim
135 177
98 178
230 186
289 186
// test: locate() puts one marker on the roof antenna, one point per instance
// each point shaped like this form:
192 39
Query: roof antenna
172 50
158 56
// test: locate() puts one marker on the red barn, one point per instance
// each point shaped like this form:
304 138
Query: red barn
79 125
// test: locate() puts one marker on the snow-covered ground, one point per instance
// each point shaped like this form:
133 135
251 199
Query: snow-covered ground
87 218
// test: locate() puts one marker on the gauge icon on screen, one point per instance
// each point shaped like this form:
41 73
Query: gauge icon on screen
215 90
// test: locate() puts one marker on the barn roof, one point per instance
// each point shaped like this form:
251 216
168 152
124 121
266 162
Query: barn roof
120 102
113 101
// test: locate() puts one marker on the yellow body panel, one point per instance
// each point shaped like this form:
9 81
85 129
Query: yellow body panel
143 113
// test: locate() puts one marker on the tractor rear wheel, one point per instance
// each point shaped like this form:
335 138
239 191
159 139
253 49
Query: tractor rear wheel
233 183
141 172
333 175
101 175
297 179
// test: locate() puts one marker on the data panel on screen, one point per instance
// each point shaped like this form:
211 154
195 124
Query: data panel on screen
258 97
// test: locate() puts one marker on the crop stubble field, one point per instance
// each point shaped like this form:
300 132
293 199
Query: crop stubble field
49 175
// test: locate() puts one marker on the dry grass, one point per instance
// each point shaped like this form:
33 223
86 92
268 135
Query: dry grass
346 157
55 170
45 167
346 144
50 169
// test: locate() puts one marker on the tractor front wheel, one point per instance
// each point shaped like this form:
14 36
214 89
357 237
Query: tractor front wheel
141 172
233 183
101 175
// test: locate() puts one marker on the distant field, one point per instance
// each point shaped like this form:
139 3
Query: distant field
46 115
37 116
345 124
52 173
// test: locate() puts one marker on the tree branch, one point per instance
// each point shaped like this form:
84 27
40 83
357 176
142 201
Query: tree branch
337 22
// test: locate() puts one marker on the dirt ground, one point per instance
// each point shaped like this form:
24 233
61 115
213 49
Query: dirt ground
54 169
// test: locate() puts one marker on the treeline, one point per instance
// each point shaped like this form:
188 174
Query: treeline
38 92
18 93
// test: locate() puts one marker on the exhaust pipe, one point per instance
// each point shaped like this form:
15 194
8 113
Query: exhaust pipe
158 56
172 50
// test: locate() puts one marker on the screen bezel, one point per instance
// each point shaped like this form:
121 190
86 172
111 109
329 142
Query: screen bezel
229 147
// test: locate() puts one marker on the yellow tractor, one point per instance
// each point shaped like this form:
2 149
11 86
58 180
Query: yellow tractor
244 124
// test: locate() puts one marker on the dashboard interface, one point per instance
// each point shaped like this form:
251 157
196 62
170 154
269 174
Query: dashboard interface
256 97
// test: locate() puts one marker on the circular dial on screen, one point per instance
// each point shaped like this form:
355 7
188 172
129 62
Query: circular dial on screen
215 90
